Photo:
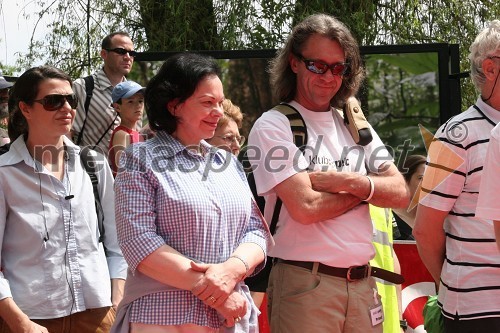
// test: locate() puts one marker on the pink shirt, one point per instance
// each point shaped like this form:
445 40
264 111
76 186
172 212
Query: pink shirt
134 137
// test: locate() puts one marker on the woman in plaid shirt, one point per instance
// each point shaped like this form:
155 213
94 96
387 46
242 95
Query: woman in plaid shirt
187 223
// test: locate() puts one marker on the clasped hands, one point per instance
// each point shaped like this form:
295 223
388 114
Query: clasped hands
216 289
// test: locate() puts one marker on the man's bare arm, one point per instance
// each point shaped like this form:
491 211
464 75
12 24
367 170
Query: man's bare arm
430 237
390 189
308 206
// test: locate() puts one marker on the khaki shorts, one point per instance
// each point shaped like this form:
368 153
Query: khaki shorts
300 301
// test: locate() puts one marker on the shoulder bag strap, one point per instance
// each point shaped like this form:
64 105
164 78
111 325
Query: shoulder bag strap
89 88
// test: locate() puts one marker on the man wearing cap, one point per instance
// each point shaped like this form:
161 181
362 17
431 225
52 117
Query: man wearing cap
128 102
4 109
95 119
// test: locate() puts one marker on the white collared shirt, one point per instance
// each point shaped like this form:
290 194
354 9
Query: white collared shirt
68 272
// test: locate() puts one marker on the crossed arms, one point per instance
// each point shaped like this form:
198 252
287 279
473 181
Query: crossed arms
321 195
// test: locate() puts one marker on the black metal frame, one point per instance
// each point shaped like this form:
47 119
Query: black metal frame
448 67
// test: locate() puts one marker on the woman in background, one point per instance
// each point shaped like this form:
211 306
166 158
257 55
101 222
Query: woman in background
412 170
227 134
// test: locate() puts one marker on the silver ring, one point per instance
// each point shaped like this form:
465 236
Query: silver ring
212 299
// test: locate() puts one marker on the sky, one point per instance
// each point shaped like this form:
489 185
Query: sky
15 29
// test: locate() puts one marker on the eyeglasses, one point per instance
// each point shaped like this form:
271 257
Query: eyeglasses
230 138
320 67
122 51
55 102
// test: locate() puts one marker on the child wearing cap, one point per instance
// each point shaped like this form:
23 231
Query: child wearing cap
128 101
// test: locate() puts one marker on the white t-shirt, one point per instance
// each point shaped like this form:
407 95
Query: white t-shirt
487 203
343 241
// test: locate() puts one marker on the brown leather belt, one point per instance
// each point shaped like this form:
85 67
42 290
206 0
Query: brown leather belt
352 273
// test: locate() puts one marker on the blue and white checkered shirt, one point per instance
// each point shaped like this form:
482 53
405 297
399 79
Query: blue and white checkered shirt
199 205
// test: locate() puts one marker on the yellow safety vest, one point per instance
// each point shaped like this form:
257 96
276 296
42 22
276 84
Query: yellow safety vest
382 241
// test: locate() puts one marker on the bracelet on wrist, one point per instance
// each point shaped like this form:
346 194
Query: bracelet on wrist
247 268
372 189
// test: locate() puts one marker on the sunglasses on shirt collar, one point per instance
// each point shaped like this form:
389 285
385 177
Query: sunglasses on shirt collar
56 101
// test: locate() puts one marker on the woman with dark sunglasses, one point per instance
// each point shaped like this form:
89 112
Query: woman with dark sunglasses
55 272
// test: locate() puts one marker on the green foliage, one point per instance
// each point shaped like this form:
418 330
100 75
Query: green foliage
180 25
356 14
435 21
77 28
402 92
7 70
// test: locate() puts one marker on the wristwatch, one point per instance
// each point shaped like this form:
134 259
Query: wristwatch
403 324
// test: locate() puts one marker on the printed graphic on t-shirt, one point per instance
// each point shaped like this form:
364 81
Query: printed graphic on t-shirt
346 158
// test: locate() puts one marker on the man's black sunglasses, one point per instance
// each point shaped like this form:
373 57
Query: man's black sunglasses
122 51
55 102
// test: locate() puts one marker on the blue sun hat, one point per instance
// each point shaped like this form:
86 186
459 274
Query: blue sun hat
126 89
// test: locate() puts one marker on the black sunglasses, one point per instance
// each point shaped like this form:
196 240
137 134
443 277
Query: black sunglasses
320 67
55 102
122 51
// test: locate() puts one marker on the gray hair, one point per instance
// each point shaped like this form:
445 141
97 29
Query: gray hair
486 44
284 80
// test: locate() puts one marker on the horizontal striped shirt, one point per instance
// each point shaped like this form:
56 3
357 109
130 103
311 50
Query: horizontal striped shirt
199 205
470 277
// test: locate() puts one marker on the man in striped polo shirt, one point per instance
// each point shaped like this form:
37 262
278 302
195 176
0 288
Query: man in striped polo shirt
458 248
101 119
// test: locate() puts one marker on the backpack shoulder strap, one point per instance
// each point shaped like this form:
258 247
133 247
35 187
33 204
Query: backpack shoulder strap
89 88
299 131
297 124
89 164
